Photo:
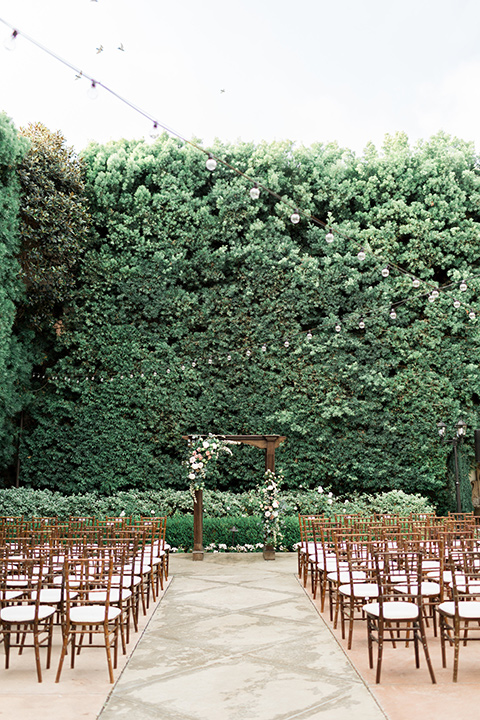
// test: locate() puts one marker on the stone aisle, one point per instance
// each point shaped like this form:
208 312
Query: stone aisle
235 637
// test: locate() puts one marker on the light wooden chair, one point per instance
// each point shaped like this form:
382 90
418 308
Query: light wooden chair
392 571
21 581
91 612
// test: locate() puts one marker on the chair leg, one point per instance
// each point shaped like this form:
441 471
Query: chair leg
380 651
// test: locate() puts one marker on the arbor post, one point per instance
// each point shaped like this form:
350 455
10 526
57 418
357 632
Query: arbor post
198 525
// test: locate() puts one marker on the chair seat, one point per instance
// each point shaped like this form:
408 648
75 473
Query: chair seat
52 596
10 594
360 590
467 610
25 613
92 614
115 595
393 610
344 576
427 587
126 580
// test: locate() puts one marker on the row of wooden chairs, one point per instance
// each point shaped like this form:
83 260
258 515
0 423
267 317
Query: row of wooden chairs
91 580
437 574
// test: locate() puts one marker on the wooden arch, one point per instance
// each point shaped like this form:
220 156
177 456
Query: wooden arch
269 443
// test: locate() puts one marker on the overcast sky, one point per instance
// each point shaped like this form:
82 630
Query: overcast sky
307 71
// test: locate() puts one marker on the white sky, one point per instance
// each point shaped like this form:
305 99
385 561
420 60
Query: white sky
307 71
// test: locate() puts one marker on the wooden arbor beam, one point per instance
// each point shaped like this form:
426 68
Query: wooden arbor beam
269 443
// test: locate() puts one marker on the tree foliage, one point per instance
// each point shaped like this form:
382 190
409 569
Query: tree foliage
53 226
186 280
12 359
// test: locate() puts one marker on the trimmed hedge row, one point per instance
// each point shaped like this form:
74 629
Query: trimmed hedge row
218 532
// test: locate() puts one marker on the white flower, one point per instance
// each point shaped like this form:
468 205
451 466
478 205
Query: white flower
206 444
330 494
330 501
122 514
320 489
192 459
267 514
275 504
214 446
191 476
200 465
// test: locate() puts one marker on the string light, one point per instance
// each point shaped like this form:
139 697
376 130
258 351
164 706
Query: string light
10 43
264 348
361 324
286 343
361 255
472 315
309 336
456 303
385 272
338 327
248 353
295 217
255 192
92 91
329 237
416 283
463 286
431 298
211 163
435 294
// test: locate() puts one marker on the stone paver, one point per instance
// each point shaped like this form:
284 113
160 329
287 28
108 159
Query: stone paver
236 637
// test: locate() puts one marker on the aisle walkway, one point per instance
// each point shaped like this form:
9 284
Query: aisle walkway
236 638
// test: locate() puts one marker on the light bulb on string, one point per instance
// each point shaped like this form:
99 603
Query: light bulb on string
361 255
10 42
431 298
286 343
338 327
154 133
229 357
416 283
435 294
385 272
211 163
472 315
264 348
92 92
309 336
255 192
393 314
361 324
329 237
210 361
456 303
248 353
463 286
295 217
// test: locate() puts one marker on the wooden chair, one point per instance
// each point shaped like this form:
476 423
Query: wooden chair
459 613
394 570
21 580
91 611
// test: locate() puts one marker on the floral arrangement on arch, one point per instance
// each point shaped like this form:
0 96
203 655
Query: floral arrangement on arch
270 507
202 450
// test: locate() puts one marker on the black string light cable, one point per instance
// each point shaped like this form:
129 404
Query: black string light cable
213 160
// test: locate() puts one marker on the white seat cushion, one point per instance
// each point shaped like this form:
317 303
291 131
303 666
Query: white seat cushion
92 614
360 590
25 613
115 595
344 576
466 610
393 610
428 588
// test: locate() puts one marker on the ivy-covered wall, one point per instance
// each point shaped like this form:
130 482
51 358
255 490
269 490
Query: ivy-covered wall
194 305
14 367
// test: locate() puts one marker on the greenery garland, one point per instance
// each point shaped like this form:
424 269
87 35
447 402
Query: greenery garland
270 507
202 451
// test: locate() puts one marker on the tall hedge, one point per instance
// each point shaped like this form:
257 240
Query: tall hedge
14 369
194 303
